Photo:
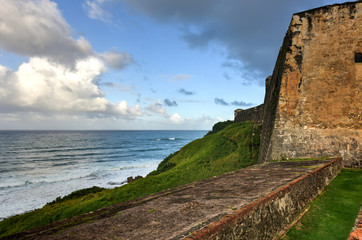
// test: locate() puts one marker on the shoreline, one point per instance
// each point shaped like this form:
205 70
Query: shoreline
82 159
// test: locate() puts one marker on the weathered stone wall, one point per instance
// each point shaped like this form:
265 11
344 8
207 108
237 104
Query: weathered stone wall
314 105
254 114
267 216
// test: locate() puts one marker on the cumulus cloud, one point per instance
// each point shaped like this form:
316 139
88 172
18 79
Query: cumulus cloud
176 118
62 76
46 87
201 122
222 102
37 28
170 103
185 92
156 108
250 30
95 10
117 60
122 109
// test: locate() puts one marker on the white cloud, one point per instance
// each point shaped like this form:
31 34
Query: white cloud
46 87
124 110
117 60
37 28
176 118
61 78
95 10
156 108
204 122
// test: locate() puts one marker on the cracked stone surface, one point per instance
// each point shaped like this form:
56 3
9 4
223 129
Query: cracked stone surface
177 212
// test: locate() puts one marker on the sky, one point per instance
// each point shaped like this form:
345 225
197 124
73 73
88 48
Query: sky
136 64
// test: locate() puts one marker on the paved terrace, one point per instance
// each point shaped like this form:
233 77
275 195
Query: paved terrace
175 213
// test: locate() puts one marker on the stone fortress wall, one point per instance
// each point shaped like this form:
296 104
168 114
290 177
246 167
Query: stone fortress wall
313 101
254 114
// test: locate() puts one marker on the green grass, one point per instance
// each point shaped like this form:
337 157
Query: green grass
332 214
220 126
234 147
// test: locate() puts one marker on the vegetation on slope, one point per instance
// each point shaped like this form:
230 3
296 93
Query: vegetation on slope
234 147
220 126
332 214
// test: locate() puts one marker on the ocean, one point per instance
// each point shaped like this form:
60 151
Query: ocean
38 166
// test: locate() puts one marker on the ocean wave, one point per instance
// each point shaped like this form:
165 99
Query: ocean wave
13 169
64 164
147 150
79 154
53 162
127 167
66 149
167 139
99 174
35 183
116 183
115 158
26 183
99 157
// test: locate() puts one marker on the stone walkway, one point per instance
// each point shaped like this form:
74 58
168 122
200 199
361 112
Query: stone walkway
175 213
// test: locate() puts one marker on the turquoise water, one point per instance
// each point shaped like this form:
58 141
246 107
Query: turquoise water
38 166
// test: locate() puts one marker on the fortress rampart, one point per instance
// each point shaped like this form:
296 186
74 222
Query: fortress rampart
254 114
313 101
268 215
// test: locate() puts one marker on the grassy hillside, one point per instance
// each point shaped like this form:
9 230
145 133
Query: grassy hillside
234 147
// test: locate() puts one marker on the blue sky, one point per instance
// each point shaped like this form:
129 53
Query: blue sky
136 64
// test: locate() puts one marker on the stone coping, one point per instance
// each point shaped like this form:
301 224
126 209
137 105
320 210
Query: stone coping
356 233
265 217
180 212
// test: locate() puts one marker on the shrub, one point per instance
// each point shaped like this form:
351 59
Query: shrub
220 126
77 194
164 165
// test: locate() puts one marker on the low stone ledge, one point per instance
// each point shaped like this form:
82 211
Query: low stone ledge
243 204
267 216
356 233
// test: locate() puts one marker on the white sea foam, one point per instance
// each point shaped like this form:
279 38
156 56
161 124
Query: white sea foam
37 167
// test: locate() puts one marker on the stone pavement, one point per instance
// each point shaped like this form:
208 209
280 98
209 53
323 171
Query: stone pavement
177 212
